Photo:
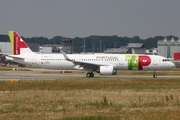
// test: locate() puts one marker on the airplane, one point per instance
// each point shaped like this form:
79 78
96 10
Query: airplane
105 64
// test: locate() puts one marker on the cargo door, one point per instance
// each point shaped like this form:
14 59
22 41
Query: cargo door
34 60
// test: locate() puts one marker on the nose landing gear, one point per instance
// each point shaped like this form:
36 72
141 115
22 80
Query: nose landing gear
154 74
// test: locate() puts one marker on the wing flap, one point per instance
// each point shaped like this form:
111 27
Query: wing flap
87 65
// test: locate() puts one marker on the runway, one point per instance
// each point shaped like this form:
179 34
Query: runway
36 75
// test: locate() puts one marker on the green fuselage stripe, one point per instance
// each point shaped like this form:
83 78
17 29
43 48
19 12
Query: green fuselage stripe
132 61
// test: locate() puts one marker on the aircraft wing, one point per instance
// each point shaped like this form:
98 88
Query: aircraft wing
84 65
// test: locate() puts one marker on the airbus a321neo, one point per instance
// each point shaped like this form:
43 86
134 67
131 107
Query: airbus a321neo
105 64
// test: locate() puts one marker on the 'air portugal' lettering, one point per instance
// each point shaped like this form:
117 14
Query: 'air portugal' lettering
18 44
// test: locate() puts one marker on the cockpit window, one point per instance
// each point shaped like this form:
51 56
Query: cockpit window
164 60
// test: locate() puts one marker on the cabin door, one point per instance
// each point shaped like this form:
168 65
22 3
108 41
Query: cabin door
155 61
120 61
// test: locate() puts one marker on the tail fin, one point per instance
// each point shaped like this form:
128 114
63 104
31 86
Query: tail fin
18 45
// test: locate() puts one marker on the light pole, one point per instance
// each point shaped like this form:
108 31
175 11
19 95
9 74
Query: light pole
100 45
5 49
114 44
84 45
104 48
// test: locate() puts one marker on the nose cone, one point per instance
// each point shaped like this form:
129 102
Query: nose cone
172 65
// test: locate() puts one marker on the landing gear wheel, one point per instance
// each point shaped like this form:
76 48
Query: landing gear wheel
154 74
90 75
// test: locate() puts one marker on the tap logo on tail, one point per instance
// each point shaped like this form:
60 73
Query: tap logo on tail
16 42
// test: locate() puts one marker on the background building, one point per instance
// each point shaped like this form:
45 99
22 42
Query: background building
6 48
131 48
137 48
50 49
66 46
152 51
167 48
121 50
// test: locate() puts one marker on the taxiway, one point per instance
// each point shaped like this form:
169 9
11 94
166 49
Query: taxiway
37 75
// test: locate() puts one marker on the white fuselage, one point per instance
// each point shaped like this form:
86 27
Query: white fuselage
118 61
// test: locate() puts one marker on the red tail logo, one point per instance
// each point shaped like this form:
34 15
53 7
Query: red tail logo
18 44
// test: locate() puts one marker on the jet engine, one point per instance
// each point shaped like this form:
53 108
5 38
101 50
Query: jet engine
107 70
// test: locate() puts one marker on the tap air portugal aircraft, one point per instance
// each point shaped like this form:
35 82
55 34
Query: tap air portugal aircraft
105 64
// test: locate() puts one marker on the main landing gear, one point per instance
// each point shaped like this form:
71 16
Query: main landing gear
90 74
154 74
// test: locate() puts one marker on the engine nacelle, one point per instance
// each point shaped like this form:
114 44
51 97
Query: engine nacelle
107 70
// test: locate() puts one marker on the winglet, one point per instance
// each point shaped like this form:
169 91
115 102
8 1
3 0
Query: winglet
65 56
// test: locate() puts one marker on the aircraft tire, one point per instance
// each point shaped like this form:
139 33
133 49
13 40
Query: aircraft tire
154 76
90 75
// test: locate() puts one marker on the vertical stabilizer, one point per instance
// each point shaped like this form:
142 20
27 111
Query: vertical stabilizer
18 45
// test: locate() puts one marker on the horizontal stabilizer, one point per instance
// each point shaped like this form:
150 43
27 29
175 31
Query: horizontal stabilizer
13 57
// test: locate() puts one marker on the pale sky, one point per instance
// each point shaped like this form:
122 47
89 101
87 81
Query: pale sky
82 18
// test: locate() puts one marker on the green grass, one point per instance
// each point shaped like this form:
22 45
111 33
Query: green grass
92 98
91 118
94 83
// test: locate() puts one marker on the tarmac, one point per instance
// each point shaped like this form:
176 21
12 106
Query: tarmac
47 74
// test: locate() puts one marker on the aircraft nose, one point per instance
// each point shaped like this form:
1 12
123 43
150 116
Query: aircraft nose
172 65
